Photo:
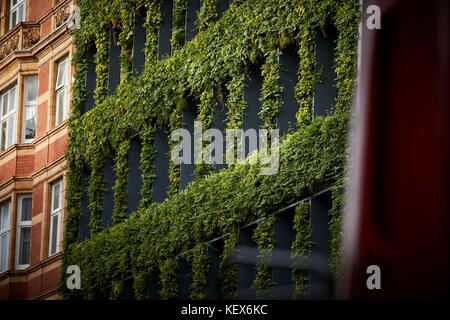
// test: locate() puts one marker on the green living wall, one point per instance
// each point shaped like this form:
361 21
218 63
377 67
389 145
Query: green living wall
311 159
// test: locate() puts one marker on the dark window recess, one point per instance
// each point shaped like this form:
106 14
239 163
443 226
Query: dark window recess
213 285
134 183
128 291
184 279
252 94
154 285
83 226
289 62
165 29
193 6
221 7
284 236
91 79
219 122
187 170
325 90
162 157
139 42
108 196
246 271
319 282
114 62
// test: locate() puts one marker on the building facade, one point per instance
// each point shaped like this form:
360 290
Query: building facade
35 91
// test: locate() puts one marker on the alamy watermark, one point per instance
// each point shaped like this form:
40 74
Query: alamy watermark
209 147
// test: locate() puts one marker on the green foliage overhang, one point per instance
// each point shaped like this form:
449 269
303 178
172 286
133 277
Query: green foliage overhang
311 158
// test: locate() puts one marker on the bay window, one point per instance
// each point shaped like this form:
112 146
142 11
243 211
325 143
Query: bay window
4 235
62 91
29 108
7 117
16 12
55 217
24 205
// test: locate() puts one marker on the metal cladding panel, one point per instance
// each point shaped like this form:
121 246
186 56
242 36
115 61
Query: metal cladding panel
325 90
289 61
91 78
134 183
193 6
139 39
165 29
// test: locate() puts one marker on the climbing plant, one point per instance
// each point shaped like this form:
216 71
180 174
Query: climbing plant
216 204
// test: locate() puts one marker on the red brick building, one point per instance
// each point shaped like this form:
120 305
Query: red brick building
35 92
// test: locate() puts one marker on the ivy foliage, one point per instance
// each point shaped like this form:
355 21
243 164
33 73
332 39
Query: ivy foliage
218 57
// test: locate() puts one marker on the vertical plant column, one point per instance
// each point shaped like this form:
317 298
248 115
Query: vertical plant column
271 91
120 188
147 163
152 22
175 122
126 40
179 24
207 14
228 271
200 268
205 113
263 237
301 248
304 90
168 279
95 194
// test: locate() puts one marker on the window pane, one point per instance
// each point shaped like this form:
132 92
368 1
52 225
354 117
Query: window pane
56 195
10 129
54 234
21 15
32 89
3 133
5 104
24 246
60 100
5 217
62 73
26 209
13 2
30 123
4 251
13 21
12 100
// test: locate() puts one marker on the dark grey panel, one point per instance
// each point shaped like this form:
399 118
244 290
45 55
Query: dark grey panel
284 236
213 285
221 7
289 62
319 284
128 291
193 6
219 122
134 181
161 183
165 29
154 286
187 170
108 195
83 227
247 272
325 91
114 62
139 43
91 78
252 94
184 279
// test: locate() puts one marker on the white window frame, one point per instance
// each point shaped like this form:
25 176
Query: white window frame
28 104
5 231
9 114
16 8
20 225
55 212
62 88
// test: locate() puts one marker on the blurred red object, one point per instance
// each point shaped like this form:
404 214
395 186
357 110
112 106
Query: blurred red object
398 203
